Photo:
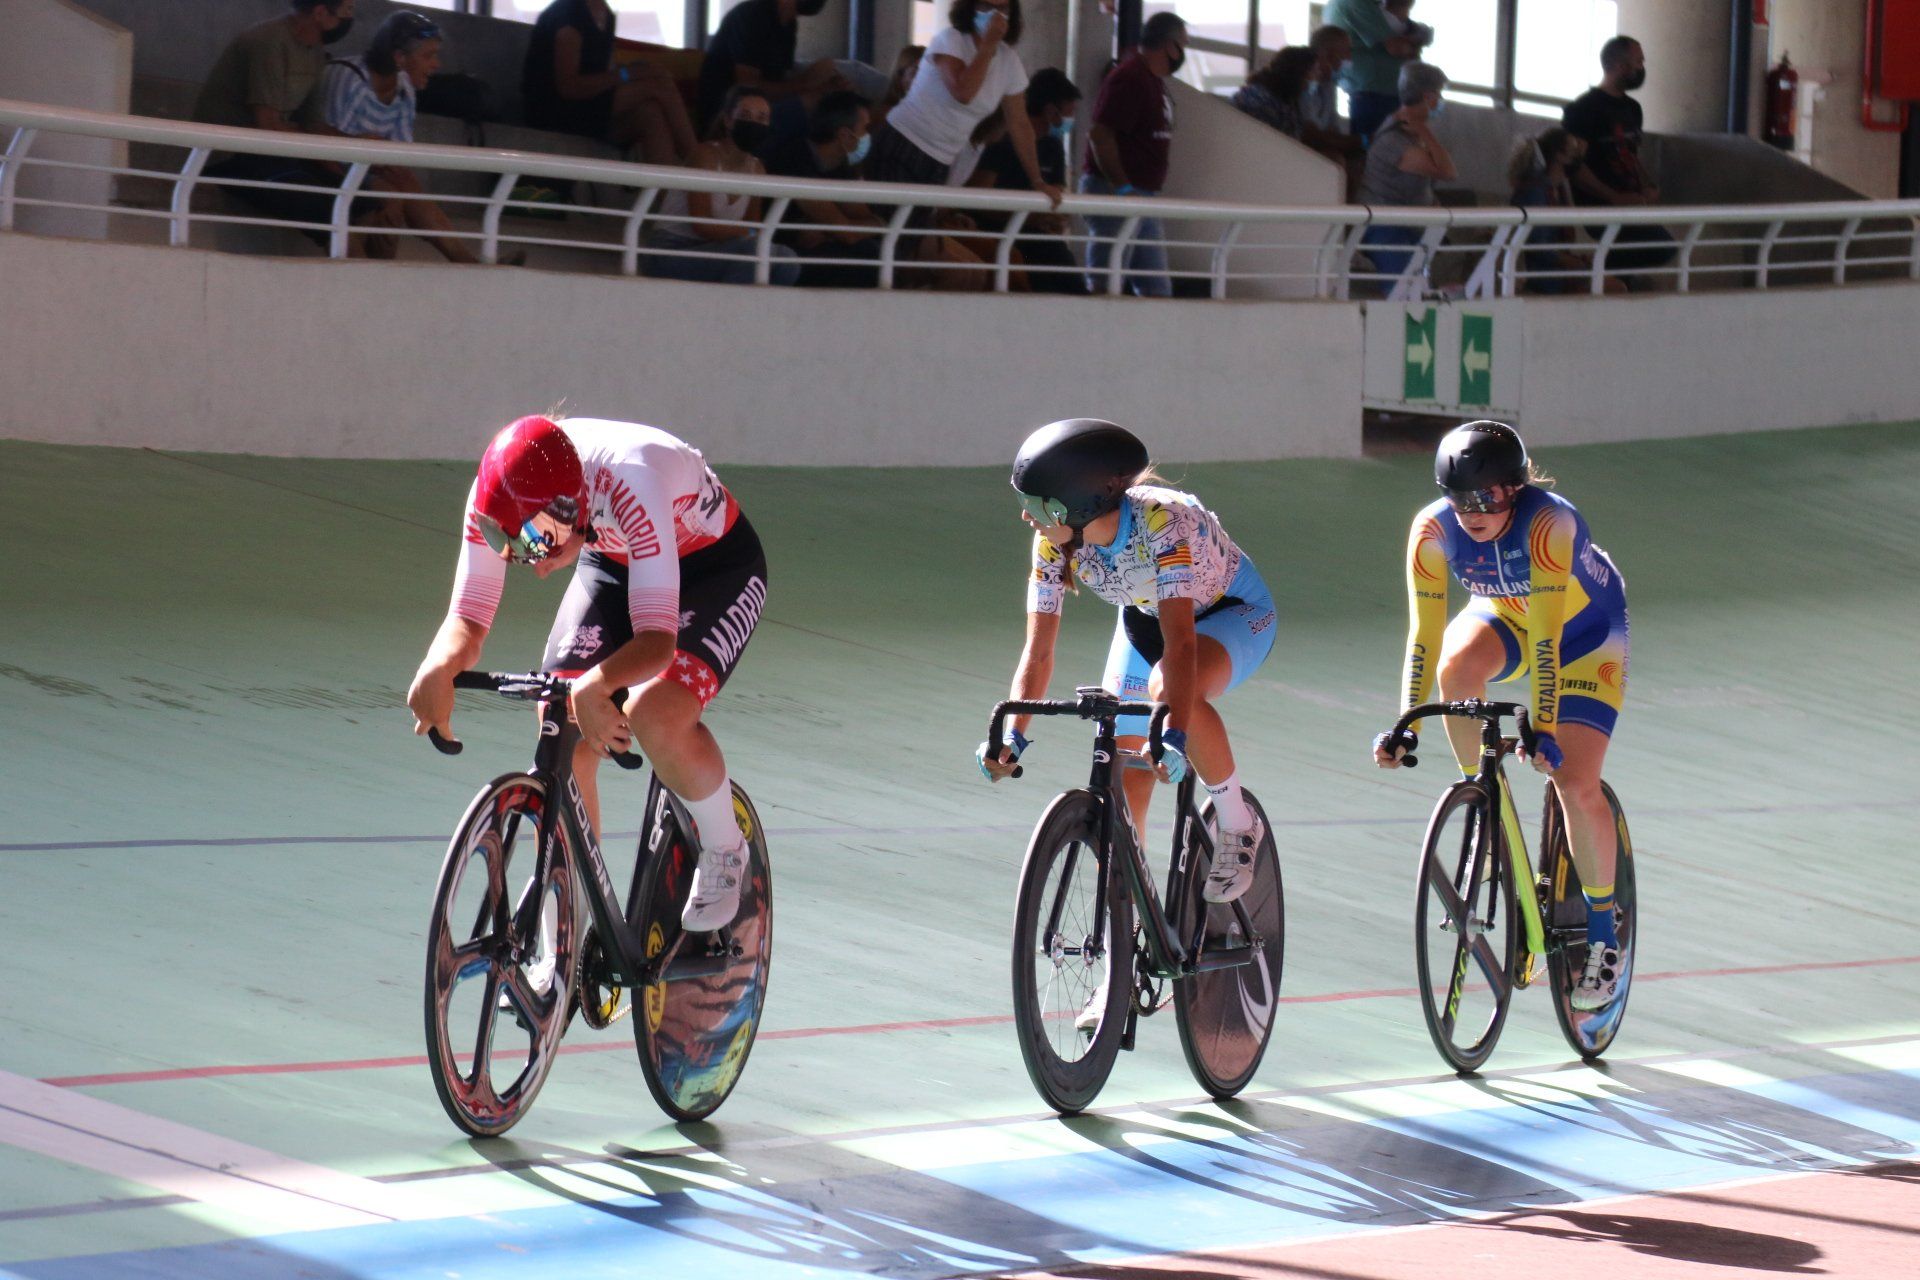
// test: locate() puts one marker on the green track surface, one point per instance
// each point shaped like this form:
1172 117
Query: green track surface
205 648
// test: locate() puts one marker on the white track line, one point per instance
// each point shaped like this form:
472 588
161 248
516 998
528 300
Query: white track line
274 1192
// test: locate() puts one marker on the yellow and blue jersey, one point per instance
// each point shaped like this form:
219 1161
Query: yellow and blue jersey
1555 599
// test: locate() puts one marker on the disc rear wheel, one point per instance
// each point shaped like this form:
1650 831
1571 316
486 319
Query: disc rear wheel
1589 1032
694 1023
1226 1015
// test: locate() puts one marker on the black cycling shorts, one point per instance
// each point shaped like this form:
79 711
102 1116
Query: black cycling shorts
723 588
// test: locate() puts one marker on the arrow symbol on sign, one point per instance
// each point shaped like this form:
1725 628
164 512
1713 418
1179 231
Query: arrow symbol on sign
1475 361
1421 353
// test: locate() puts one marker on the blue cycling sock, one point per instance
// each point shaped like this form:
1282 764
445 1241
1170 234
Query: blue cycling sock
1600 915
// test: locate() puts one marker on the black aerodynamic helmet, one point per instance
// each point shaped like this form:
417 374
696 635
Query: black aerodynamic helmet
1074 471
1476 456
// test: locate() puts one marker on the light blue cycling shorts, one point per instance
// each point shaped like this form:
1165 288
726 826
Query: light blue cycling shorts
1242 621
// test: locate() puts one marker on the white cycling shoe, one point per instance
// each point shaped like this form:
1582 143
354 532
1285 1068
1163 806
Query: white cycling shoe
1599 983
1232 871
714 898
1088 1020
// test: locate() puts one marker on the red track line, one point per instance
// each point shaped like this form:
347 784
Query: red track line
868 1029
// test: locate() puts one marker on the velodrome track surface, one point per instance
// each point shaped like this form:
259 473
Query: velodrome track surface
220 840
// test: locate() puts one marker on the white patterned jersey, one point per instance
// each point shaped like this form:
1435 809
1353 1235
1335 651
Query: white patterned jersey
1167 546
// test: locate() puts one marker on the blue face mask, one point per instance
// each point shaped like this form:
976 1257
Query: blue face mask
1439 109
982 18
860 149
1063 130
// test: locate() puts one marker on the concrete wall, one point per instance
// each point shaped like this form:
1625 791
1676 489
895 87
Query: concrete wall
277 356
1826 39
59 53
1220 153
1707 364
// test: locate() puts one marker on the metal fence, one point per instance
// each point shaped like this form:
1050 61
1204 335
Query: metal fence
970 235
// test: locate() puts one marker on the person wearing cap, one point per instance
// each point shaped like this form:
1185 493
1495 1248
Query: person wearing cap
1544 600
669 580
1196 618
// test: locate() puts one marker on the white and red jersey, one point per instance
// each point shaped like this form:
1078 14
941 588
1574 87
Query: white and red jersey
643 486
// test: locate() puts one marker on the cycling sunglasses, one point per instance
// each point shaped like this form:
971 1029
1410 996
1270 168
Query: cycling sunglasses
529 546
1481 502
1044 511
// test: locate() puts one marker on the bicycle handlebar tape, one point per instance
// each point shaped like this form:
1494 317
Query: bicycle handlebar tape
446 746
627 759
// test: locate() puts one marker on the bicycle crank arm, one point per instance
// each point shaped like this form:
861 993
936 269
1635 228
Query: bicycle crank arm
1227 957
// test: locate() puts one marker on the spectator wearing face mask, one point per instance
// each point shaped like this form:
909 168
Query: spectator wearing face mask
755 46
1609 121
739 130
970 70
1320 126
1272 94
269 78
372 96
838 138
1052 102
1404 161
1385 38
1541 172
1129 152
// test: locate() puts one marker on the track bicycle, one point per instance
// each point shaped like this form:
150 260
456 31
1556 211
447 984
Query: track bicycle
511 955
1479 906
1088 920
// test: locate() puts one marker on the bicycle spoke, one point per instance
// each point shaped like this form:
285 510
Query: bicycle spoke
1459 915
483 1037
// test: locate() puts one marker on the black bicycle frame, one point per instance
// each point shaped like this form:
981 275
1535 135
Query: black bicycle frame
1168 955
619 931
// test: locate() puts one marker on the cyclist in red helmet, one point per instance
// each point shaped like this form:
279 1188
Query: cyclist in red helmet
669 580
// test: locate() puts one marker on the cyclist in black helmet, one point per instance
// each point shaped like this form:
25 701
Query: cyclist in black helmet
1545 599
1195 617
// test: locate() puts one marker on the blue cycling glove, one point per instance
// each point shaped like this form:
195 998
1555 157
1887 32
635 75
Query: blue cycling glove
1546 747
1015 739
1173 753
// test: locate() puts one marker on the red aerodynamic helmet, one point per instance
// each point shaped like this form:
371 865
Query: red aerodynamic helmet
530 467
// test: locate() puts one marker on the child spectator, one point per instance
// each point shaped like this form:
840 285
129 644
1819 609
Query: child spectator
1541 172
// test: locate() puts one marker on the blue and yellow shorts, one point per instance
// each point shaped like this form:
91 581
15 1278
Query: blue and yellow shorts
1593 662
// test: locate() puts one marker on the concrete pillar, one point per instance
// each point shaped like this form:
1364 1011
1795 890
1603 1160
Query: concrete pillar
1686 47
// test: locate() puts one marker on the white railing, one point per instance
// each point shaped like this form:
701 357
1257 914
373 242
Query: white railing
1234 249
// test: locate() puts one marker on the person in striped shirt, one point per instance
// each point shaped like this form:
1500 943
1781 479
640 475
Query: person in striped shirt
373 96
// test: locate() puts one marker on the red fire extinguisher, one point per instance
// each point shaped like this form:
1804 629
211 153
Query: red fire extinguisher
1783 84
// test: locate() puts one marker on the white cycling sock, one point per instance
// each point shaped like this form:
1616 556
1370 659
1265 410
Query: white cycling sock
1230 804
714 817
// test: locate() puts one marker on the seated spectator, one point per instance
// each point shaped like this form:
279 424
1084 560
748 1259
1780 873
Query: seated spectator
969 71
1052 101
1541 171
372 96
1384 40
1272 94
739 130
1320 126
571 85
905 66
755 47
1403 161
269 78
837 140
1609 121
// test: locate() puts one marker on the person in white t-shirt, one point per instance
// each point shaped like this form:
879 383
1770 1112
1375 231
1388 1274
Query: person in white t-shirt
969 71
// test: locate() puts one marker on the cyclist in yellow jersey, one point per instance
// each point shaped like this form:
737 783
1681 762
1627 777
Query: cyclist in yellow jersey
1545 600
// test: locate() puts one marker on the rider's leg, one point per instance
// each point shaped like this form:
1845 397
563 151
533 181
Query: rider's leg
665 715
1207 744
1590 831
1472 654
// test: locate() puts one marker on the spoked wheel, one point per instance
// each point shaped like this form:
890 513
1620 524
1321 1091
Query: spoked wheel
1589 1032
500 954
1226 1015
1465 930
1072 957
696 1018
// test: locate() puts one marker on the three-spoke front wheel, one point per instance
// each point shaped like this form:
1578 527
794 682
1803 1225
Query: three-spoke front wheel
1072 956
1465 927
500 957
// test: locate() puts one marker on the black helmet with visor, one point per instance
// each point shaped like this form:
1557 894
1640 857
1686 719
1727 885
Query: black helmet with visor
1076 470
1474 460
